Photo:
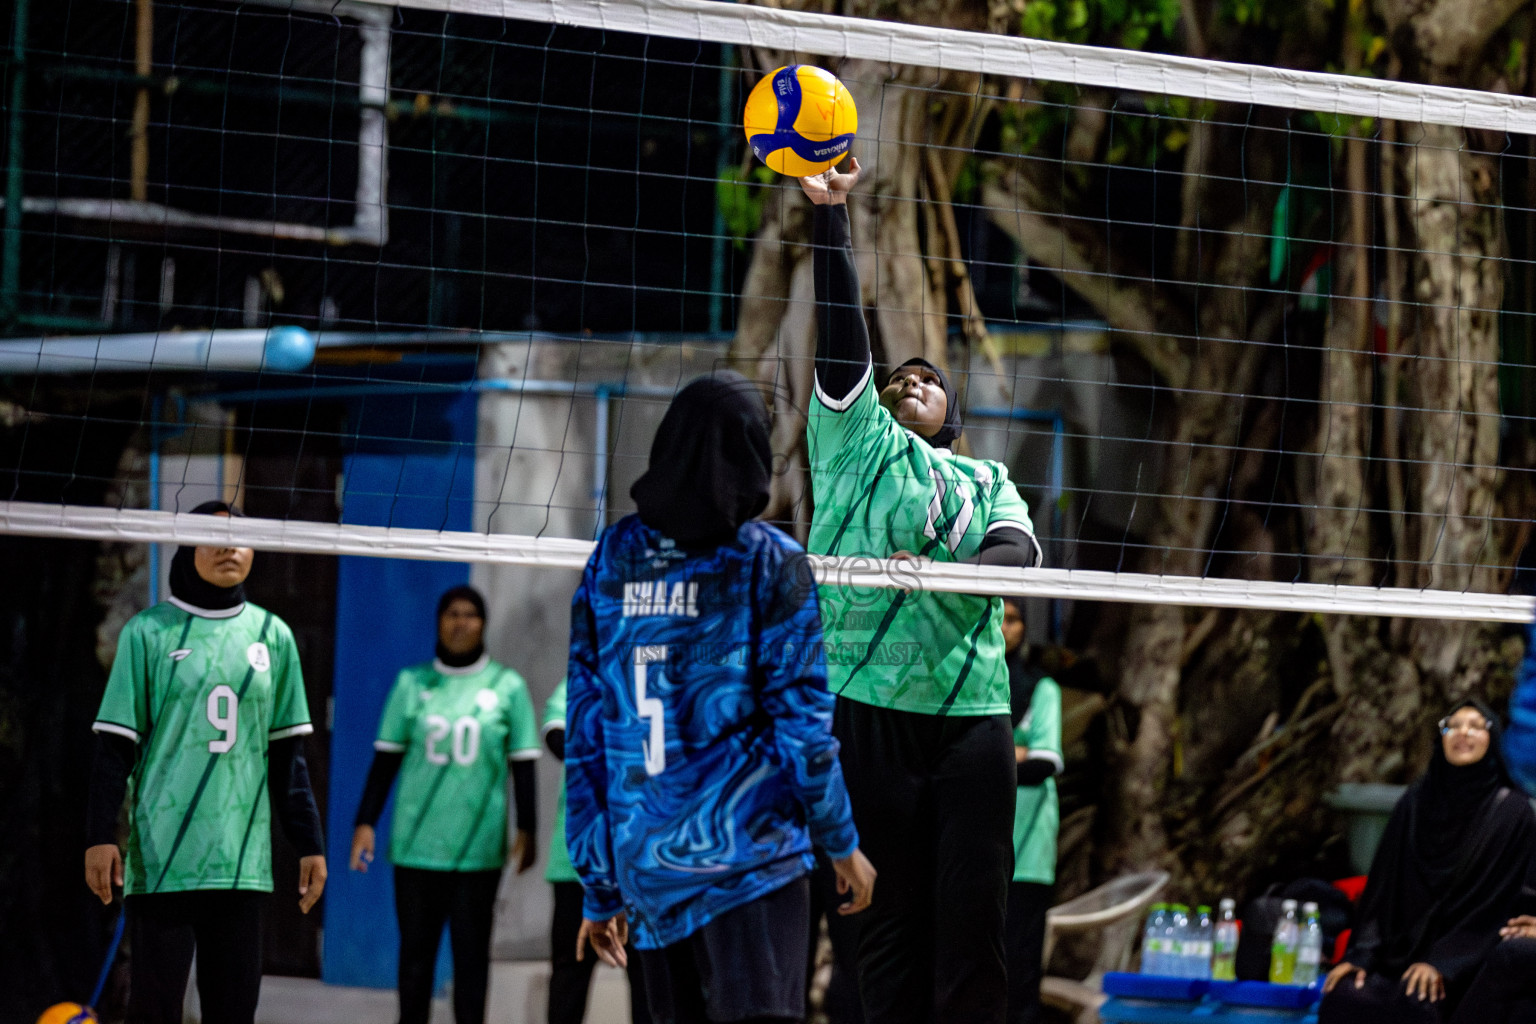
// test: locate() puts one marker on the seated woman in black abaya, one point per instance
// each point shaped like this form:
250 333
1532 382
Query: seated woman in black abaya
1450 866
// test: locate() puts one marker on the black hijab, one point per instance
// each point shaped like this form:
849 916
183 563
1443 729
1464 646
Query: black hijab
1449 868
1450 799
950 431
711 462
190 588
463 592
1022 677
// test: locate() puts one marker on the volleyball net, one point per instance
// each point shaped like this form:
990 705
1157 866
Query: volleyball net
418 280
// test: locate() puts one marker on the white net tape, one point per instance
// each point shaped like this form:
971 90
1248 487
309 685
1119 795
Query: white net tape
1011 56
134 525
895 43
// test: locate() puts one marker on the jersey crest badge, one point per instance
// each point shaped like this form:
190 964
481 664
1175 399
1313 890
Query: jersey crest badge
486 699
259 657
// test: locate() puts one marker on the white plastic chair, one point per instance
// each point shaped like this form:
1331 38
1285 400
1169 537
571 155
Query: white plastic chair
1116 909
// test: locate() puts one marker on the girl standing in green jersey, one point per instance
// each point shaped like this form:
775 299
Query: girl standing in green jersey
451 729
922 692
200 727
1035 701
570 979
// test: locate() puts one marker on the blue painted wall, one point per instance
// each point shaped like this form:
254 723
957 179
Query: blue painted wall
412 466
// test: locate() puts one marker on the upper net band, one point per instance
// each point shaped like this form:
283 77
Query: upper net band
1244 336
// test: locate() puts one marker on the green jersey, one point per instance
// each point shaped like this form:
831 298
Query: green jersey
458 728
880 489
1036 815
202 696
559 869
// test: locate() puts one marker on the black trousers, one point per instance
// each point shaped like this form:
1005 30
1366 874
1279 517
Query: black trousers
841 1003
570 979
164 929
1504 991
933 798
1383 1000
1027 904
746 966
424 902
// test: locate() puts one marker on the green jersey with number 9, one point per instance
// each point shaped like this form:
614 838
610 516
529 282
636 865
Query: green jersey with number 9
880 489
458 728
202 696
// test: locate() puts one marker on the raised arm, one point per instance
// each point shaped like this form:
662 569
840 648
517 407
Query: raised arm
842 338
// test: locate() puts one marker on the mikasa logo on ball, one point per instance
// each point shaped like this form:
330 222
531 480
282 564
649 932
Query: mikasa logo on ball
258 656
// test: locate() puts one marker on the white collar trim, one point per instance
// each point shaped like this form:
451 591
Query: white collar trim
478 665
207 613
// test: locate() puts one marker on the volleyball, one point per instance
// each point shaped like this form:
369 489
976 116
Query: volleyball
800 120
68 1013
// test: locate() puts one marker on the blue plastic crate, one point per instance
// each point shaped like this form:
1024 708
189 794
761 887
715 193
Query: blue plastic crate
1263 994
1154 986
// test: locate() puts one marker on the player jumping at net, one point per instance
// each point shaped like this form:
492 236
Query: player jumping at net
922 714
451 728
700 765
204 713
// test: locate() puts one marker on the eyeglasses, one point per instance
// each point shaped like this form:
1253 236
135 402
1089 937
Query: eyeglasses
1447 727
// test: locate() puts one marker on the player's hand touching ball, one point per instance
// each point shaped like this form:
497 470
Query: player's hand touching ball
103 870
829 188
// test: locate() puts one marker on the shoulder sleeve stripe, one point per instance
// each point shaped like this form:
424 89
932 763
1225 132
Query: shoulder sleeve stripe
550 727
1050 756
389 747
846 403
115 729
531 754
302 729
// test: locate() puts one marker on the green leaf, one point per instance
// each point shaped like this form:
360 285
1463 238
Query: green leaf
1039 19
740 202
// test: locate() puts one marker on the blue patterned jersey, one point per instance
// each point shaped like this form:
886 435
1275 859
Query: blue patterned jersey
700 764
1520 736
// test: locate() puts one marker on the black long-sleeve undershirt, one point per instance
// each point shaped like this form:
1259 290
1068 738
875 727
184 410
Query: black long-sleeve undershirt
554 739
523 794
843 355
386 765
842 336
288 790
293 799
1033 771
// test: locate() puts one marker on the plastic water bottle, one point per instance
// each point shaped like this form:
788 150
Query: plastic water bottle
1153 959
1182 937
1309 950
1282 952
1204 931
1224 955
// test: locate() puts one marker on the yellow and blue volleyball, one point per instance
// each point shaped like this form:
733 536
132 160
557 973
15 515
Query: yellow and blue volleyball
800 120
67 1013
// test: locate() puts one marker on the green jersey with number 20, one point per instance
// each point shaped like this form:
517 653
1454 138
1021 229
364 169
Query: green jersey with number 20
202 696
880 489
458 728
